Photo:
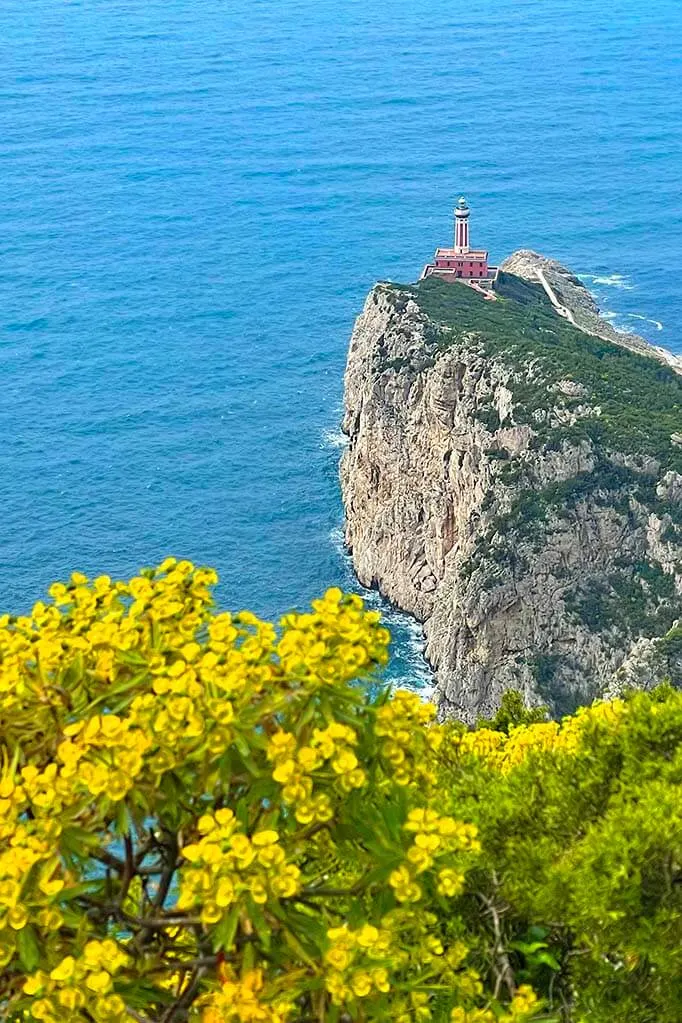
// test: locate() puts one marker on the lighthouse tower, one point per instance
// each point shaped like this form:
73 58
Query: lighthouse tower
462 212
462 263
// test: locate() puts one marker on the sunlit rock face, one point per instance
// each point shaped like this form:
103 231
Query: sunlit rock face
492 490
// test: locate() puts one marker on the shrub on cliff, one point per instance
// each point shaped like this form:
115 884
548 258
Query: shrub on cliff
204 817
201 817
580 827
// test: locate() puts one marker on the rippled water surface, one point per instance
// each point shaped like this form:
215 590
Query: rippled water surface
196 196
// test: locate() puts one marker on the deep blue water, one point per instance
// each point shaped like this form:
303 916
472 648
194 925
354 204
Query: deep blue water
195 197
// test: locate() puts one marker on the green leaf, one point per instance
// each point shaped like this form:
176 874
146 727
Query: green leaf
305 716
79 697
78 840
140 994
76 890
245 754
155 634
548 960
293 942
74 672
123 822
527 948
378 875
131 658
224 932
249 957
29 948
110 696
260 924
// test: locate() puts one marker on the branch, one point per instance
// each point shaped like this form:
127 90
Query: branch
505 974
109 860
128 869
158 923
314 892
187 996
191 964
170 855
138 1016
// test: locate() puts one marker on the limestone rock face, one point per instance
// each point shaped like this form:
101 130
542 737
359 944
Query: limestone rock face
649 663
495 517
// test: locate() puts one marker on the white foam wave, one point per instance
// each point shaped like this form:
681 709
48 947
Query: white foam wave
337 541
334 439
612 281
619 320
636 316
408 637
409 668
414 683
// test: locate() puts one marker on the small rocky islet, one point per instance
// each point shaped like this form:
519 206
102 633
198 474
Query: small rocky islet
513 479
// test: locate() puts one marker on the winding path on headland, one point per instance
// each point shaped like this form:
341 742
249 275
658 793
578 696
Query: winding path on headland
561 309
674 361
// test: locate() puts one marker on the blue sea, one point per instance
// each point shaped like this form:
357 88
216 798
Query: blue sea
196 196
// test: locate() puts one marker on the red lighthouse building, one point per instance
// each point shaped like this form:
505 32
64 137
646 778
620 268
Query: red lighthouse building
461 262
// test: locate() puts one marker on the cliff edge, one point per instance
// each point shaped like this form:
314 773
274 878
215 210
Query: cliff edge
516 484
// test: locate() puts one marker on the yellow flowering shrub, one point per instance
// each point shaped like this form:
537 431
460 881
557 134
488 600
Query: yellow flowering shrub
505 751
206 817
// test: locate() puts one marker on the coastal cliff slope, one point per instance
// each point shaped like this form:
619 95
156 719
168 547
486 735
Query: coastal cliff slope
516 485
573 295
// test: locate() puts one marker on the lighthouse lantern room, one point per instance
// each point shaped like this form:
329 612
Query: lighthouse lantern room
462 212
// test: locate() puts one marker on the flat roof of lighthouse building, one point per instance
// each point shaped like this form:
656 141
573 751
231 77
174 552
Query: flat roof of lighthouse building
474 254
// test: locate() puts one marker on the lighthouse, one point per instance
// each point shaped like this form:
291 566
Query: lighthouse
462 212
461 262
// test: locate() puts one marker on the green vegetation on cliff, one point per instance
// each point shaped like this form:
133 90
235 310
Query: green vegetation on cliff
640 399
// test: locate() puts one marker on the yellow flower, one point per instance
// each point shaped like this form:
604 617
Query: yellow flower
225 892
380 979
36 983
284 772
338 957
430 843
71 998
450 882
42 1010
99 982
285 883
420 859
65 970
111 1007
344 762
242 850
264 838
404 886
17 917
367 936
259 892
211 913
361 984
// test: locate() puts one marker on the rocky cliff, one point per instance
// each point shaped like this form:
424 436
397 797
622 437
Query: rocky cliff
514 483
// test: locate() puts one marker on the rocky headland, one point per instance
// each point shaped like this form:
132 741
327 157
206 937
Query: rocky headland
513 479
